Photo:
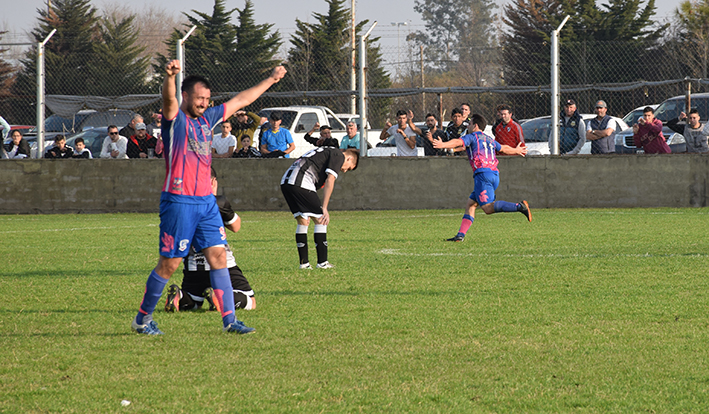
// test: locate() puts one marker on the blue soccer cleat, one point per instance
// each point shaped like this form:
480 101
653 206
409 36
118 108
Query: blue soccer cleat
239 327
150 328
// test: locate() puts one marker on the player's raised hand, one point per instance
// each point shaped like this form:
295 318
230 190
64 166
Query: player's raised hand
278 73
521 150
437 143
409 115
172 68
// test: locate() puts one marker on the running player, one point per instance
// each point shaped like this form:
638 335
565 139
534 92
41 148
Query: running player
196 287
188 209
481 153
317 168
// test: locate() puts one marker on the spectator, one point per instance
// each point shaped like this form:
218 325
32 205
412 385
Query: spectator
19 147
114 145
246 151
5 134
572 130
457 128
60 149
508 132
141 145
465 108
325 139
601 131
695 134
223 145
428 134
80 150
351 139
647 134
246 124
277 139
129 130
404 136
154 127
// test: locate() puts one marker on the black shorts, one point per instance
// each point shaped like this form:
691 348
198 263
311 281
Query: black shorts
302 202
195 283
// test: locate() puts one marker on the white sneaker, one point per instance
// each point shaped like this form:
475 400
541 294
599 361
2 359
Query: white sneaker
325 265
306 266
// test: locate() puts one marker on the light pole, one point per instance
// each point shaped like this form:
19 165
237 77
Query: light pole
398 44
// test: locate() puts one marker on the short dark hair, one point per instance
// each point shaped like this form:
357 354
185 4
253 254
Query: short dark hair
59 137
227 122
324 127
648 109
694 111
78 140
15 130
190 81
434 116
245 136
355 153
275 116
456 111
466 104
504 107
479 120
110 127
214 173
400 112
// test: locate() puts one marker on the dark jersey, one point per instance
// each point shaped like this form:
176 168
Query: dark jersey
311 169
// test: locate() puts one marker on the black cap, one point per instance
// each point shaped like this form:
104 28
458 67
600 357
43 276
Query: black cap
569 102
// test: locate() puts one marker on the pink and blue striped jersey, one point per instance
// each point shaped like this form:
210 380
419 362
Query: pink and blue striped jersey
188 152
481 151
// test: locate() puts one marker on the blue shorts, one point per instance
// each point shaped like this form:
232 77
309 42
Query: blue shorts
485 185
182 224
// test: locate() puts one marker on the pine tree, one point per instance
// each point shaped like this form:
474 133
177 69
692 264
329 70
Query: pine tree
7 79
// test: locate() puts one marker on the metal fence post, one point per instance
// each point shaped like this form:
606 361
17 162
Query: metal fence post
40 94
555 96
180 52
363 142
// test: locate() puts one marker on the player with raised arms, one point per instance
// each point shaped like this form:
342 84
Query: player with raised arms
481 154
317 168
188 209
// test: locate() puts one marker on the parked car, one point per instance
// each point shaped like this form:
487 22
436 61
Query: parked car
669 109
93 139
24 129
632 116
536 134
345 118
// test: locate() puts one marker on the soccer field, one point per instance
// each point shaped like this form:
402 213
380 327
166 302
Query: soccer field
578 311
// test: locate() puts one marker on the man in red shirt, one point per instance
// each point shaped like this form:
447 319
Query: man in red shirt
508 132
647 134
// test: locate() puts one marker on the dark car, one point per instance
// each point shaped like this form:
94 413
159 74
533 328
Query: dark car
93 139
667 110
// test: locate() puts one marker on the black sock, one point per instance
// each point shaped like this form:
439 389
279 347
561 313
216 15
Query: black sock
301 240
321 246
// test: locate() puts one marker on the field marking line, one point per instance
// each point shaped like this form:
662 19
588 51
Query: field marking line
397 252
77 229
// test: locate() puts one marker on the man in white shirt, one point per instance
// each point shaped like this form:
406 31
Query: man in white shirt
223 145
114 145
404 136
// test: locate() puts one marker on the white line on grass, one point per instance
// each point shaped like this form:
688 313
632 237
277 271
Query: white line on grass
77 229
396 252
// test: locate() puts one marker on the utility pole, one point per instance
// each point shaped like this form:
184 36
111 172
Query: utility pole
353 62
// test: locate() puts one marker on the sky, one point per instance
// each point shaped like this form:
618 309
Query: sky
22 17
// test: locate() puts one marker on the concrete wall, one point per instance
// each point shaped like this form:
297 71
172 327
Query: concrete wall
97 186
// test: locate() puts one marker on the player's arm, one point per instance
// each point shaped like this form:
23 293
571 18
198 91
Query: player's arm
410 118
170 106
291 144
327 192
231 220
518 150
451 144
245 98
410 141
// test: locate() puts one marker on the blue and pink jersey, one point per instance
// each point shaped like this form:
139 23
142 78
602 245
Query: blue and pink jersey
481 151
188 153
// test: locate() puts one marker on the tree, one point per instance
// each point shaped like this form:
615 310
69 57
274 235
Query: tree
7 79
692 22
118 68
319 58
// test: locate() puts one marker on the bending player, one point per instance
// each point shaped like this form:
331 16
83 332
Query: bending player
188 209
317 168
196 286
481 154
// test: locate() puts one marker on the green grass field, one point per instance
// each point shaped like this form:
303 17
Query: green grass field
578 311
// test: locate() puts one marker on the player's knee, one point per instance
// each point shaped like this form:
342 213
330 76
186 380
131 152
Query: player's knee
244 301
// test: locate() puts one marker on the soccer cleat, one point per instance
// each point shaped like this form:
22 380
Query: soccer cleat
457 238
325 265
524 209
150 328
172 304
239 327
208 292
306 266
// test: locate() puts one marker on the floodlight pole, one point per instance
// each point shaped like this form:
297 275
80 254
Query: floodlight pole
180 52
40 94
363 91
353 61
555 96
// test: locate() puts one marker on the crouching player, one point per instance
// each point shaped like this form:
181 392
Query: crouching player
481 154
317 168
196 286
